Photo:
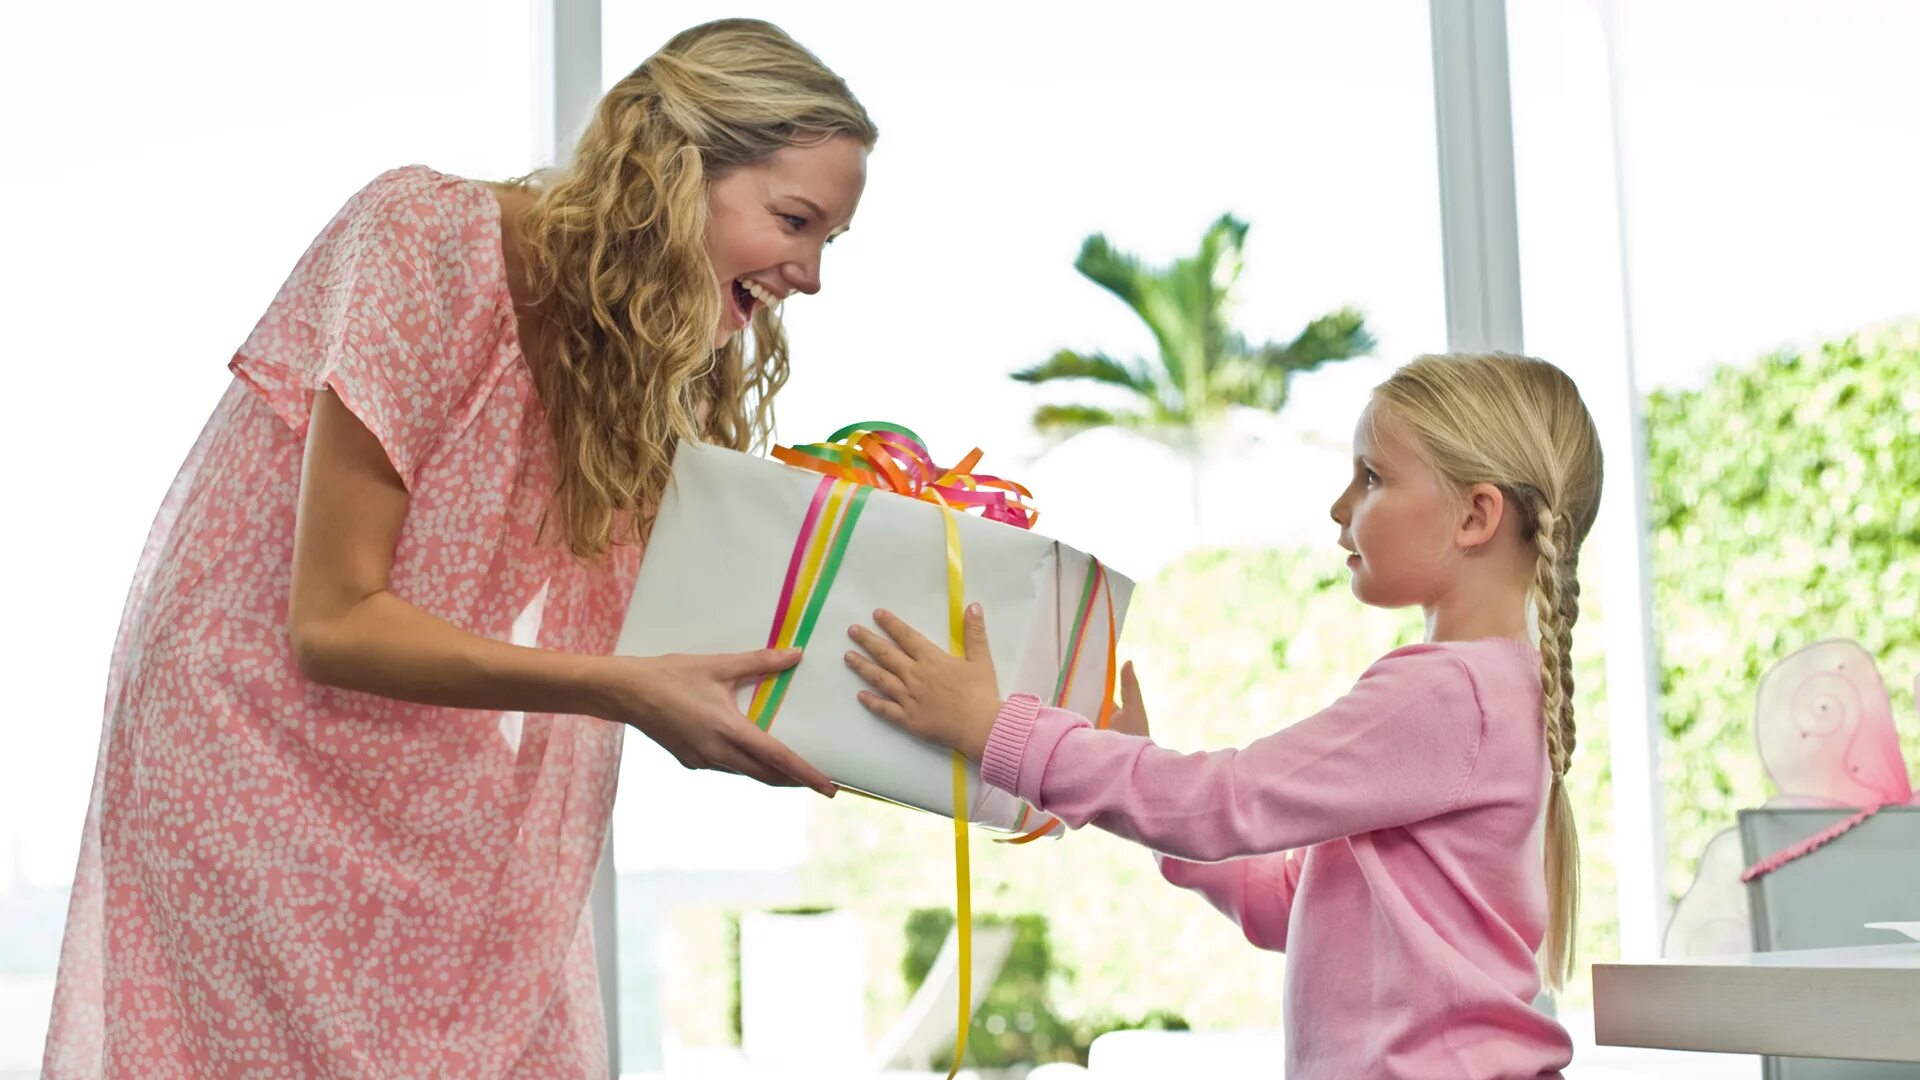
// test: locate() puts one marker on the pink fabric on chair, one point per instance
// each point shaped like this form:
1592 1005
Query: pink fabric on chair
1826 736
1825 728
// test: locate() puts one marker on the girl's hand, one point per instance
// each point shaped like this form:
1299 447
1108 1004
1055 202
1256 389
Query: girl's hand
1131 716
687 704
942 698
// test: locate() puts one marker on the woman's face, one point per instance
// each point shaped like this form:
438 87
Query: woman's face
769 221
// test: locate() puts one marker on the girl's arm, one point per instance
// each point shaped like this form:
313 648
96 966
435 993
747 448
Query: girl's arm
1255 892
349 631
1398 748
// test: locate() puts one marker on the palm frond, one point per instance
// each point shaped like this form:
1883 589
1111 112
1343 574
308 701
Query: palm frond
1222 251
1341 335
1145 290
1205 367
1116 271
1097 367
1063 420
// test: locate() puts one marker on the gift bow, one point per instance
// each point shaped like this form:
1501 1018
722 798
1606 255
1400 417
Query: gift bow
892 458
855 461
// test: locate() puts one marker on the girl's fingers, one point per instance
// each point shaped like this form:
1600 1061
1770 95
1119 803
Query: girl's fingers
1130 687
975 630
876 676
912 641
883 708
884 652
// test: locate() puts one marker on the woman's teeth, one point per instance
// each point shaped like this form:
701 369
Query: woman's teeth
759 292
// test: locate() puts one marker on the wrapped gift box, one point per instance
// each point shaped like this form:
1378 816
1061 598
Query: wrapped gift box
721 564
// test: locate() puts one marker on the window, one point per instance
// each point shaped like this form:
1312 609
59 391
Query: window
168 165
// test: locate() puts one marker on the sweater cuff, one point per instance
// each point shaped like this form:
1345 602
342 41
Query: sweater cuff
1007 742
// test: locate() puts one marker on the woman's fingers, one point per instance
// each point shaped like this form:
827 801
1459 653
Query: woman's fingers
754 770
754 664
765 752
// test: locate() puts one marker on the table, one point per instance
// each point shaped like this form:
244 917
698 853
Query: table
1857 1002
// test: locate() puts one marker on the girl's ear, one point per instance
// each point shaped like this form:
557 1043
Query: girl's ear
1484 508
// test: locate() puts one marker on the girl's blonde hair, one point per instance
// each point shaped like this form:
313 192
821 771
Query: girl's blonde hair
1519 424
616 252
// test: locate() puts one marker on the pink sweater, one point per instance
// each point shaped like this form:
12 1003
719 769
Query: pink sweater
1390 844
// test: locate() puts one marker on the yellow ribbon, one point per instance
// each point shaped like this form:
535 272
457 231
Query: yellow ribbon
893 458
963 905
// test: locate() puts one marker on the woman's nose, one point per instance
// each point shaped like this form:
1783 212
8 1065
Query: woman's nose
804 276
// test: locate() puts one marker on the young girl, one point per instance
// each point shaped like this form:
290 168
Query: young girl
1391 844
344 820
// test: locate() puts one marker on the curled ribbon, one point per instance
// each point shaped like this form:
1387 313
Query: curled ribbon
892 458
855 461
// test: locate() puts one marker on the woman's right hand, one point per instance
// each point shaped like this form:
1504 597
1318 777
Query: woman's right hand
348 630
687 704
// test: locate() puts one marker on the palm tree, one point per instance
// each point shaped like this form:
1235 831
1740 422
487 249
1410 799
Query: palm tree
1205 367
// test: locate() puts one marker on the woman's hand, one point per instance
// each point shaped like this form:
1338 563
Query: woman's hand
686 703
348 630
942 698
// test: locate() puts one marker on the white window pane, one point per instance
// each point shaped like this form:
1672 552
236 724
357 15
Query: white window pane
167 164
1769 166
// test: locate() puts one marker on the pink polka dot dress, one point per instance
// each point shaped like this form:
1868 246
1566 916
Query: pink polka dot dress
282 879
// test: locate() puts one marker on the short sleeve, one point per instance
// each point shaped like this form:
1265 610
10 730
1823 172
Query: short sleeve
396 307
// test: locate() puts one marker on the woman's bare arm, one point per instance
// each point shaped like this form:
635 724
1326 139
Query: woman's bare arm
350 631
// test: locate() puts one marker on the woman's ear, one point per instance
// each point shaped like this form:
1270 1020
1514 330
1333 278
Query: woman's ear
1483 510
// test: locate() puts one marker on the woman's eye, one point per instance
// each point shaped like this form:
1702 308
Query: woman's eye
795 222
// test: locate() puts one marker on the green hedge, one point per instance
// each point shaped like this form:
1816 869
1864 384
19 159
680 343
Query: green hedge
1785 502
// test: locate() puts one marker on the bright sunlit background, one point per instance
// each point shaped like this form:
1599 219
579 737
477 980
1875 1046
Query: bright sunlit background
168 162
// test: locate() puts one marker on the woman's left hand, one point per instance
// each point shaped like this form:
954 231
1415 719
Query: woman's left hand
942 698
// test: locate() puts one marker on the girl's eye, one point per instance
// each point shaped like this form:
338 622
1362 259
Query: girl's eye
1372 477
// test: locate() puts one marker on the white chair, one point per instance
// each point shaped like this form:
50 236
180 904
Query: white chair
925 1027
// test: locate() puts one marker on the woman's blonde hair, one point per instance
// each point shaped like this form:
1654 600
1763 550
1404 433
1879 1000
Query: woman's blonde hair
616 253
1519 424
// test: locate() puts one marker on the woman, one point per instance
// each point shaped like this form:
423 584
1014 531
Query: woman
362 726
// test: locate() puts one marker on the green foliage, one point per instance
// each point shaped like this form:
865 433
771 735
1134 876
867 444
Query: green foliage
1015 1022
1205 367
1785 500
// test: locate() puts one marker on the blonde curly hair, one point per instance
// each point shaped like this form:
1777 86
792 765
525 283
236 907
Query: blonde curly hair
616 255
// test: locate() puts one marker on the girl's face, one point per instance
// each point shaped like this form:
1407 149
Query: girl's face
769 221
1397 518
